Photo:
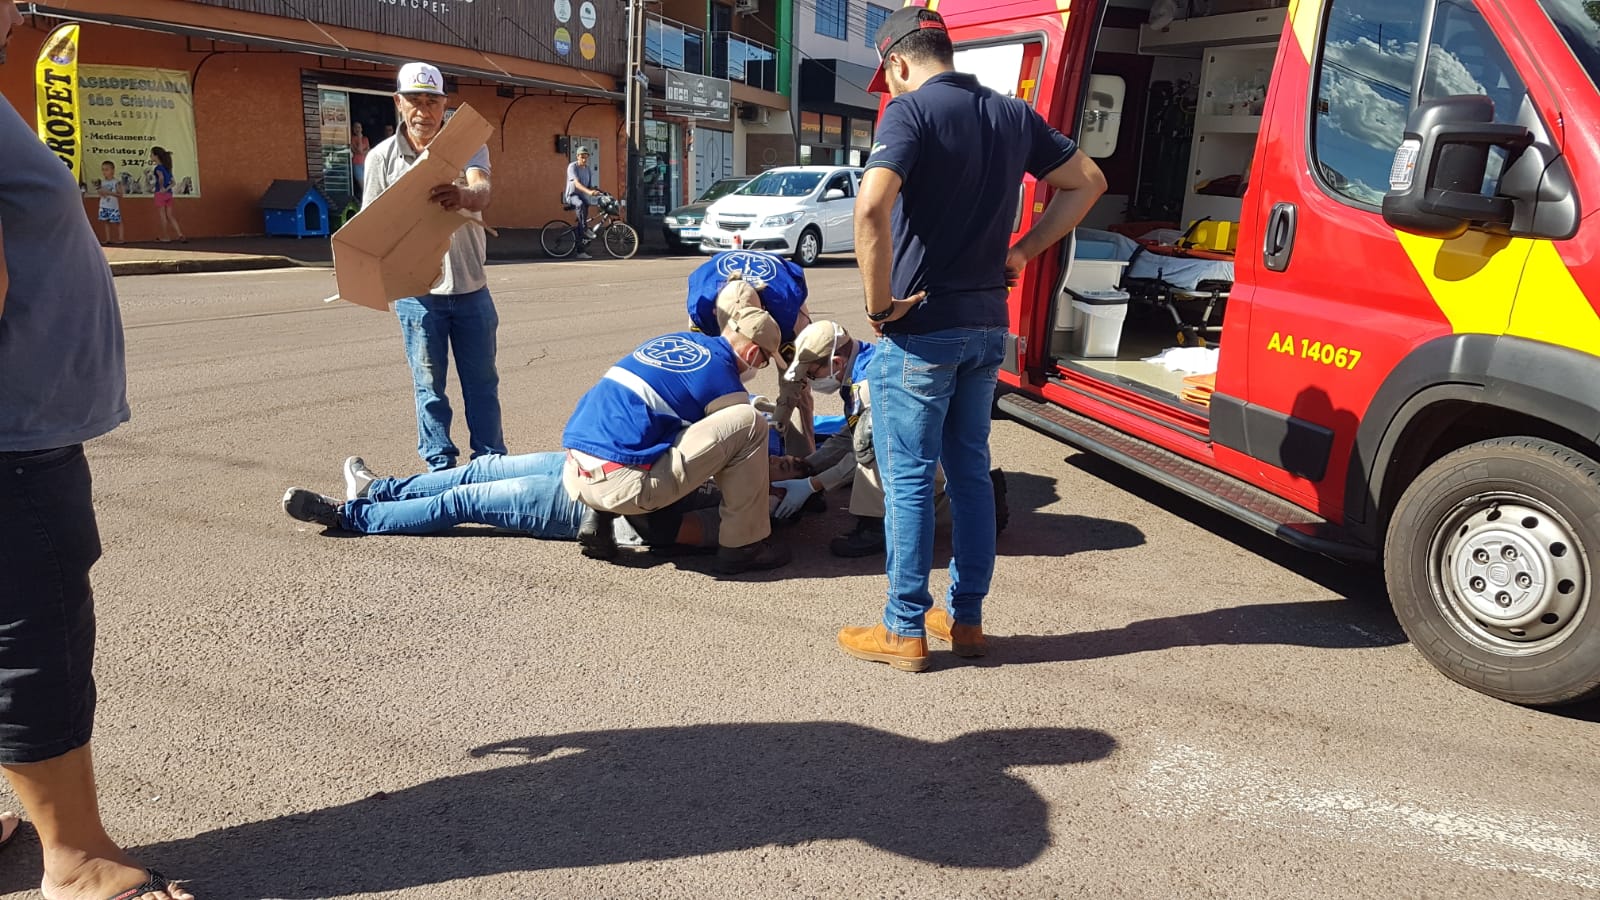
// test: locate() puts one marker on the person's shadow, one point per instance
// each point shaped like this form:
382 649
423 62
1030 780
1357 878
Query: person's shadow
605 797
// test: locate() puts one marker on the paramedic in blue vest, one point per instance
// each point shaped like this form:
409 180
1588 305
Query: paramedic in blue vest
933 222
832 362
669 417
735 278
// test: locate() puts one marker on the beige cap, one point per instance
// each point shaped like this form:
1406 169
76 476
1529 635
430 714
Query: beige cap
818 341
757 325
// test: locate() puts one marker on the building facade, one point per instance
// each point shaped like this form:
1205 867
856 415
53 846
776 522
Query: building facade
720 76
837 60
252 95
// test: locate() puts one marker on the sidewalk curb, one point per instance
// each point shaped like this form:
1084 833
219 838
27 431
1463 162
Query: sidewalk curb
189 266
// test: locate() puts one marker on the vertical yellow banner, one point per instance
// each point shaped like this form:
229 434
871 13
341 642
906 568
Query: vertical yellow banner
56 94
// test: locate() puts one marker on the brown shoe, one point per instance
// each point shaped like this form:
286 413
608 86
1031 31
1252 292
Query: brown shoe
965 640
755 557
879 644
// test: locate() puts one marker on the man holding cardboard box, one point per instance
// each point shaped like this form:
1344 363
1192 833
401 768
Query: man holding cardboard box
457 314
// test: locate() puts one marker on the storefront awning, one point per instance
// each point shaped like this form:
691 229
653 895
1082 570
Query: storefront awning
291 46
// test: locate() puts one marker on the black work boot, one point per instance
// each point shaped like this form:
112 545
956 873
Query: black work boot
1002 510
866 539
762 554
595 534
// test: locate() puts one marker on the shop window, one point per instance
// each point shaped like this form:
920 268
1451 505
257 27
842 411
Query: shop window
833 18
810 128
833 131
875 16
860 134
1363 97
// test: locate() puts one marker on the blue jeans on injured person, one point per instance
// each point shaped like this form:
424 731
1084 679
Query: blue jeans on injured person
435 326
931 397
520 493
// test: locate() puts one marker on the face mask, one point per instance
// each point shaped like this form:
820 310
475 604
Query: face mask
826 384
748 375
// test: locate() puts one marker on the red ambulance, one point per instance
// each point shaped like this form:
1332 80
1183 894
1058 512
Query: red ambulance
1346 290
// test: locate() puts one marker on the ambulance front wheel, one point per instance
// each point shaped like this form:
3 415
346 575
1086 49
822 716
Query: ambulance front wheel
1490 562
808 248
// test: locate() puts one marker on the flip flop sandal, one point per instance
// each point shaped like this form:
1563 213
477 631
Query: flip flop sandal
155 882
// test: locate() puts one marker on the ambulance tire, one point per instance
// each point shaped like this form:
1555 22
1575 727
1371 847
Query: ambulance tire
1489 563
808 249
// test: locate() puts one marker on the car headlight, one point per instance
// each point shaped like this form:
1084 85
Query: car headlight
783 221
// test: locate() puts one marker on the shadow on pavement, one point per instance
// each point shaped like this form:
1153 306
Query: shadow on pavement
1325 624
607 797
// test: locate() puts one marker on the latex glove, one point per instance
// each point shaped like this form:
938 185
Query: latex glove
762 404
795 493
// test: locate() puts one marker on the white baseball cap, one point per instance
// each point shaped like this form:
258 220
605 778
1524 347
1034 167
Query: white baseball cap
420 78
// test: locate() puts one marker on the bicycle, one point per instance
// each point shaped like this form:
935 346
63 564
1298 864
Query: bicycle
561 237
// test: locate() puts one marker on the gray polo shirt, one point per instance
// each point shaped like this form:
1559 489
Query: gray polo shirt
62 379
463 264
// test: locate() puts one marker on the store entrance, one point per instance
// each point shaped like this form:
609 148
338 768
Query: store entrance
354 120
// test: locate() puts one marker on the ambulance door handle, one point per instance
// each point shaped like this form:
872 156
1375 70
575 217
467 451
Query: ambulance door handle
1279 242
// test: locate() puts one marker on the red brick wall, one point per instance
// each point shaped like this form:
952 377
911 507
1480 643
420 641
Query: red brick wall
250 129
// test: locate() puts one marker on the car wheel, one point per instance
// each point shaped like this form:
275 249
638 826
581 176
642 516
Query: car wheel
1488 564
808 248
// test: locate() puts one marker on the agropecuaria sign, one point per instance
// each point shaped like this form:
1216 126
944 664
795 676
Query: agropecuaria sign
584 34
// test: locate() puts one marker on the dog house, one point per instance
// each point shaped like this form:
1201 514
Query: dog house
295 209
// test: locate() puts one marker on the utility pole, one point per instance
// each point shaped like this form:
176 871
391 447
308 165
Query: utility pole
633 104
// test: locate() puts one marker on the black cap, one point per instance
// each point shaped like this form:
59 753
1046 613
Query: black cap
902 23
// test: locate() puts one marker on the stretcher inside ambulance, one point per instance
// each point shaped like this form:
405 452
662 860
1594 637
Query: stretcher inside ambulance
1343 286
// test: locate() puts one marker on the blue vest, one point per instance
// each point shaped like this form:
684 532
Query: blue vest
784 294
641 404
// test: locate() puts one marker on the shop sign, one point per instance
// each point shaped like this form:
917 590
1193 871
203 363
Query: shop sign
700 95
127 110
860 134
520 28
833 131
810 128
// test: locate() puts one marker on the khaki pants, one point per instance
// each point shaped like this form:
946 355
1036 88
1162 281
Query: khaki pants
729 446
866 494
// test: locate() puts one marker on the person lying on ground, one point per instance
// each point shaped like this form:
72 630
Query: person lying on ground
522 494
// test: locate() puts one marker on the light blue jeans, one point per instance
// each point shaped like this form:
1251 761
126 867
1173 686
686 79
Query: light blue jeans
518 493
931 398
433 325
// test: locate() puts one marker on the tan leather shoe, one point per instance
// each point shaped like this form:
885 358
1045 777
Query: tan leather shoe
965 640
879 644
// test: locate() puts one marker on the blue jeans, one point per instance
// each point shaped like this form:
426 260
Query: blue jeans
931 397
433 325
518 493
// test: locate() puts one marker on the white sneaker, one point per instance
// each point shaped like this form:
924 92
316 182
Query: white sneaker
583 256
358 478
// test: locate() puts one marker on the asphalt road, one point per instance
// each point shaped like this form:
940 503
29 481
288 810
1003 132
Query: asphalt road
1174 706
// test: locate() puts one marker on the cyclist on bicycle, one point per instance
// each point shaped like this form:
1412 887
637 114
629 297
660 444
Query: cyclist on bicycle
582 185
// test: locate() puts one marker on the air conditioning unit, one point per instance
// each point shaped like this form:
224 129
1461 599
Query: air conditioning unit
756 115
746 7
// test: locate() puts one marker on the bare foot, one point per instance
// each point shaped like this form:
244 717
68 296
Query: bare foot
99 879
9 823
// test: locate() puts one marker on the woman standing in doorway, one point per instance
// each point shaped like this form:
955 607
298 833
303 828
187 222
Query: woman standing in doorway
359 147
161 159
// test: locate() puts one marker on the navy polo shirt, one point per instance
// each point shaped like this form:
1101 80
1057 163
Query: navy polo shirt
960 150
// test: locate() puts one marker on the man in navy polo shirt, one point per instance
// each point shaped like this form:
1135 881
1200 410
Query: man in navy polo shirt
669 417
933 221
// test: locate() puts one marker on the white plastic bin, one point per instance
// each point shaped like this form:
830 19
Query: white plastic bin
1086 275
1100 315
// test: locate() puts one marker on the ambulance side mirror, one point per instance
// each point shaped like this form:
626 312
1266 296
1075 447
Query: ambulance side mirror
1436 182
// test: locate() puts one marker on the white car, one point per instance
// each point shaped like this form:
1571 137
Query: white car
805 211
